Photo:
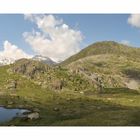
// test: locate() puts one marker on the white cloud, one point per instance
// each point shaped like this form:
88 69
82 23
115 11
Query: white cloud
134 20
55 38
126 42
12 51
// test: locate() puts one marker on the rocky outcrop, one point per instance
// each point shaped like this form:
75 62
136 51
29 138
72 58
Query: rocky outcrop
12 84
29 68
133 84
57 84
34 115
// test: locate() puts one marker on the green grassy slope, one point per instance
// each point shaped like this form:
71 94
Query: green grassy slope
116 64
68 94
105 47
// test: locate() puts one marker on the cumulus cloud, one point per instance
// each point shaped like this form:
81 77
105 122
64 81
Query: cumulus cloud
134 20
12 51
54 39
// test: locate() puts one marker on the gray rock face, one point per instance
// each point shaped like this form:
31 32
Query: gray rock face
29 68
34 115
12 84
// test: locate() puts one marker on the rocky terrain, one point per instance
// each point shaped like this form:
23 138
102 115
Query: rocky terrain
43 59
103 77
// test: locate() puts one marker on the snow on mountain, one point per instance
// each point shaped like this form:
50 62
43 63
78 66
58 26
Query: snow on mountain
6 61
44 59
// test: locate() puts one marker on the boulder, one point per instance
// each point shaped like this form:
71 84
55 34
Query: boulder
98 107
34 115
36 110
56 109
68 99
10 103
57 84
12 84
81 92
131 100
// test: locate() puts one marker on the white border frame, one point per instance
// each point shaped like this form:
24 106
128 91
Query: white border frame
69 6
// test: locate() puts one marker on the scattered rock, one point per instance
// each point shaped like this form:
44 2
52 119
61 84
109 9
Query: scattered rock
9 106
131 100
12 84
36 110
57 103
38 83
81 92
109 99
10 103
57 84
98 107
34 115
133 84
68 99
56 109
64 107
13 95
21 106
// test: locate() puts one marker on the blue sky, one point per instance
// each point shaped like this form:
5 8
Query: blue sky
99 27
94 27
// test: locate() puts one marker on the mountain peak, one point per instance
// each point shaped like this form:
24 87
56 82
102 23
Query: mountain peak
105 47
6 60
44 59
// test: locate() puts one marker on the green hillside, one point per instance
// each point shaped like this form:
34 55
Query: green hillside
105 47
98 86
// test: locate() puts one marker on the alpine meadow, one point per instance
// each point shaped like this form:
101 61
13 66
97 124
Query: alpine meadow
70 70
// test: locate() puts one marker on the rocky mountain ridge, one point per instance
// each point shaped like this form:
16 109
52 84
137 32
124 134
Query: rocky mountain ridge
116 66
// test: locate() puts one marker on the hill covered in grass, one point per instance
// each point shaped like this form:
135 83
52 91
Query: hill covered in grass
98 86
103 65
105 47
116 64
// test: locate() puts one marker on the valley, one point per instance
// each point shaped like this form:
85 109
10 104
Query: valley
99 86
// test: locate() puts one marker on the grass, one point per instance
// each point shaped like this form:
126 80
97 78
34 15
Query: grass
105 47
77 110
116 106
78 103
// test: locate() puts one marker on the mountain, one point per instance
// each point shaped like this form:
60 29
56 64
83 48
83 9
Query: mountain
116 64
108 64
105 47
6 61
43 59
46 60
105 64
46 76
98 86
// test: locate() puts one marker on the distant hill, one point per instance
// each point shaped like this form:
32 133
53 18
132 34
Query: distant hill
104 64
105 47
46 60
116 64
